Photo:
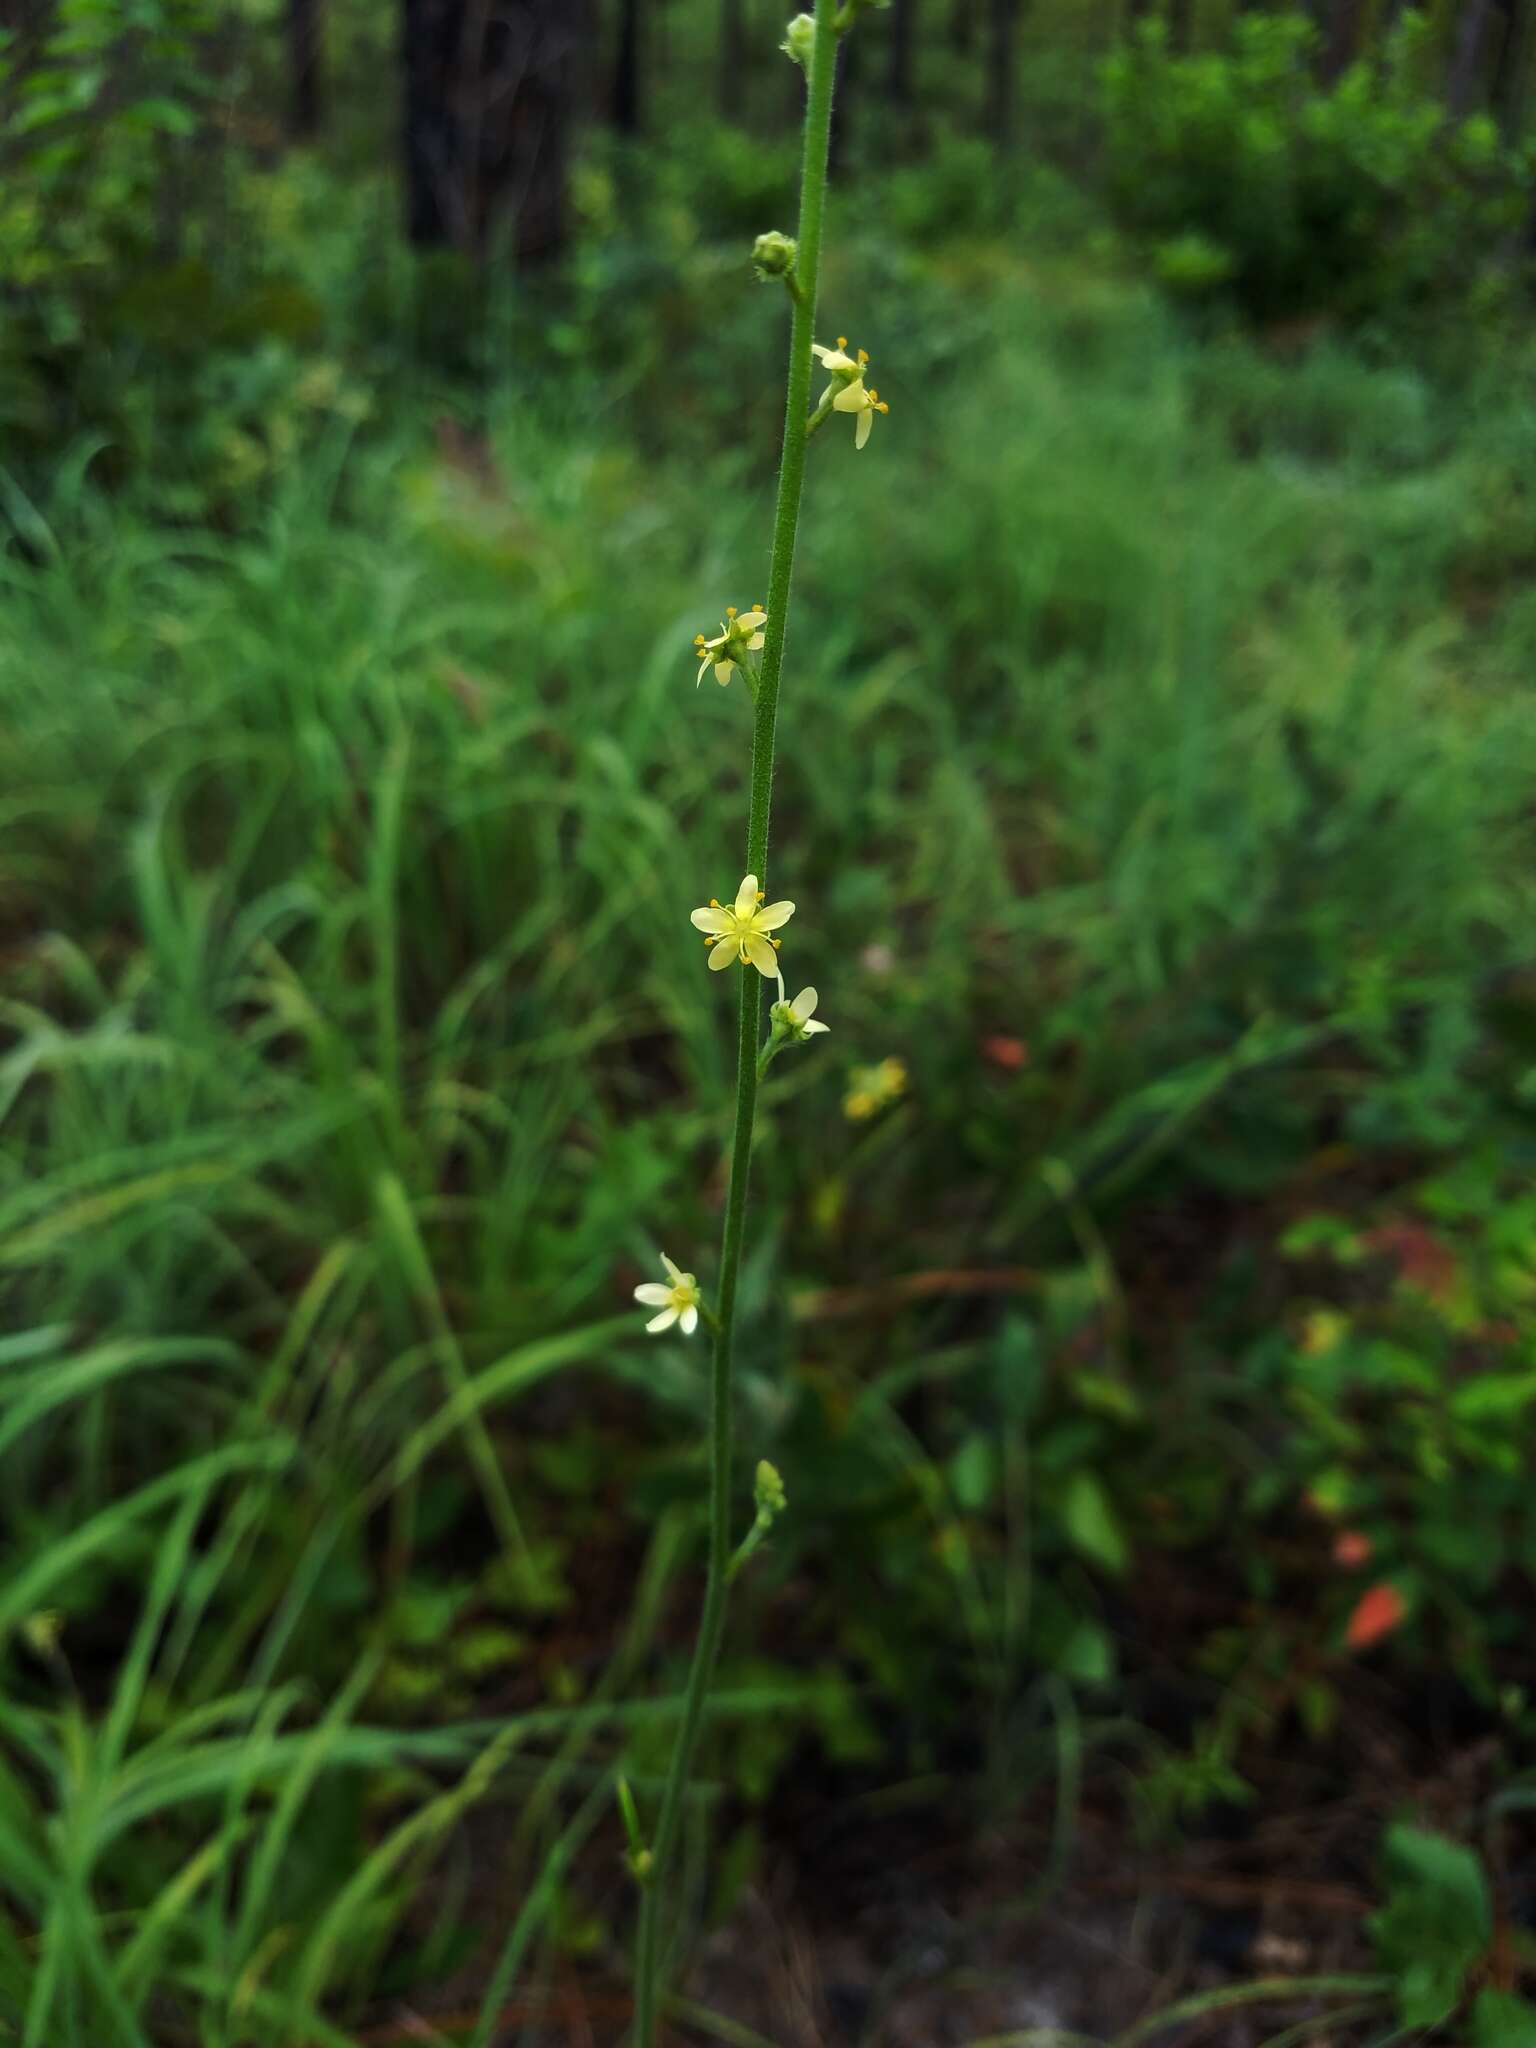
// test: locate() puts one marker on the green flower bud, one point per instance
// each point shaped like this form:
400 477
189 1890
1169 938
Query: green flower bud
768 1493
799 39
774 254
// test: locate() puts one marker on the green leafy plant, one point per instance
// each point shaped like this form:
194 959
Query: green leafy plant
1436 1924
1358 198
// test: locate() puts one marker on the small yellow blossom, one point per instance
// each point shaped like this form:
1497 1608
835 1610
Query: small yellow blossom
796 1017
855 399
741 931
844 367
846 390
740 633
677 1298
871 1088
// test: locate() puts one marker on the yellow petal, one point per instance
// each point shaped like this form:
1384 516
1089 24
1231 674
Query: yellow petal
852 398
804 1005
653 1294
689 1321
755 642
723 954
704 664
746 896
811 1027
772 915
712 921
750 621
724 670
762 955
861 431
674 1273
664 1321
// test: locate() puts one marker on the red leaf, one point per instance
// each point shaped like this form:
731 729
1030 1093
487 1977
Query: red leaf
1422 1260
1008 1053
1377 1614
1352 1547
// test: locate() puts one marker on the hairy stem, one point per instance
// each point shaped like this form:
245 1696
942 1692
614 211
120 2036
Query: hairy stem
786 521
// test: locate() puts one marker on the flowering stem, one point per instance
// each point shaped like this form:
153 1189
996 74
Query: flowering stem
813 196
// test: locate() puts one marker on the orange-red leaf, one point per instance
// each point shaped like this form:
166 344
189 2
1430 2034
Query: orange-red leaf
1008 1053
1377 1613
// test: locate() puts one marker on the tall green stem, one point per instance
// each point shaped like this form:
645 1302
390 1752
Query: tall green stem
786 521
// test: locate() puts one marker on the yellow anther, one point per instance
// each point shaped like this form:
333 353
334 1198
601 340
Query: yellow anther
730 611
863 356
842 341
882 406
761 894
775 943
714 902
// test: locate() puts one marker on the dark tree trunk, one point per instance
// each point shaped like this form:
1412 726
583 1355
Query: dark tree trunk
625 108
1181 21
27 21
488 94
306 66
1341 38
1463 86
903 33
1511 76
1002 58
962 27
733 52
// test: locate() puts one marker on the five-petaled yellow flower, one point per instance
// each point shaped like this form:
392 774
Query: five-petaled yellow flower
740 633
740 932
677 1298
847 390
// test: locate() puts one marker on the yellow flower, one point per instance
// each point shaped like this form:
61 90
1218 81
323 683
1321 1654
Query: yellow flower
740 633
871 1088
843 366
846 390
677 1298
797 1017
854 398
741 932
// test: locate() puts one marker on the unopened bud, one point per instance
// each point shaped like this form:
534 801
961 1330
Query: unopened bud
768 1492
799 40
774 254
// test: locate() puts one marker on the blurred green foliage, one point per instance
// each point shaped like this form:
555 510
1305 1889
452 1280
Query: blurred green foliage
1361 198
